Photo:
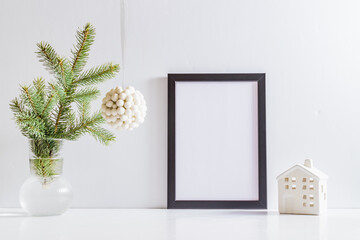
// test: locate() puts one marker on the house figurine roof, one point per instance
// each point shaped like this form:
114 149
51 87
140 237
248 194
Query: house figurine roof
306 167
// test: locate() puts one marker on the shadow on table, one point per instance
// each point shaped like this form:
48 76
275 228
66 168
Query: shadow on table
7 214
242 212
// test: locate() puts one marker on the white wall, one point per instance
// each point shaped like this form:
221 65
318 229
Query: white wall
310 51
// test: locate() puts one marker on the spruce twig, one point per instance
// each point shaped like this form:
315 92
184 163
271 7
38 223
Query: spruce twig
44 110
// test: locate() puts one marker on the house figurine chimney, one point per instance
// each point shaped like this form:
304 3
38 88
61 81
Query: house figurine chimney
308 163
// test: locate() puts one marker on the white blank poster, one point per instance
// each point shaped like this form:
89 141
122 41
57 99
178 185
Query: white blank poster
216 141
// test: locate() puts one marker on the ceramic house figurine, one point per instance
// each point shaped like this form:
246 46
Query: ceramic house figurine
302 190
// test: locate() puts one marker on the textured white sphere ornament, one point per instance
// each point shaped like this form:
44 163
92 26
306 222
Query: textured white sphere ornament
124 108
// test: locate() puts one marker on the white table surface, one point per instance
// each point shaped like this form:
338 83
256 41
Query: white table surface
161 224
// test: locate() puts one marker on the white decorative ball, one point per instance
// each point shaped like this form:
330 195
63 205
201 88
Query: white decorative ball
128 113
113 112
122 96
120 103
115 97
124 118
124 108
108 112
127 104
106 99
121 110
109 104
129 98
131 89
118 90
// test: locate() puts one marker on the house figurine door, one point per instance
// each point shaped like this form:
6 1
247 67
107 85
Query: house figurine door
288 203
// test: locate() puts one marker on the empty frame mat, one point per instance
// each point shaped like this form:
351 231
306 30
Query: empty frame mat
215 133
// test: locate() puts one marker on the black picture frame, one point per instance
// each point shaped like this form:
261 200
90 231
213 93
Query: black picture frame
261 203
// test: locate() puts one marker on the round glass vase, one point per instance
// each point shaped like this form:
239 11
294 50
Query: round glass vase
45 192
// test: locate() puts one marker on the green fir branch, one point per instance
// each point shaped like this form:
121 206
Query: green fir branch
30 125
86 95
49 104
85 39
31 99
45 110
100 134
40 87
50 59
67 74
16 106
98 74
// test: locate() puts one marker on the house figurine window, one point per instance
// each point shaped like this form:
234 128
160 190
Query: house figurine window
309 197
